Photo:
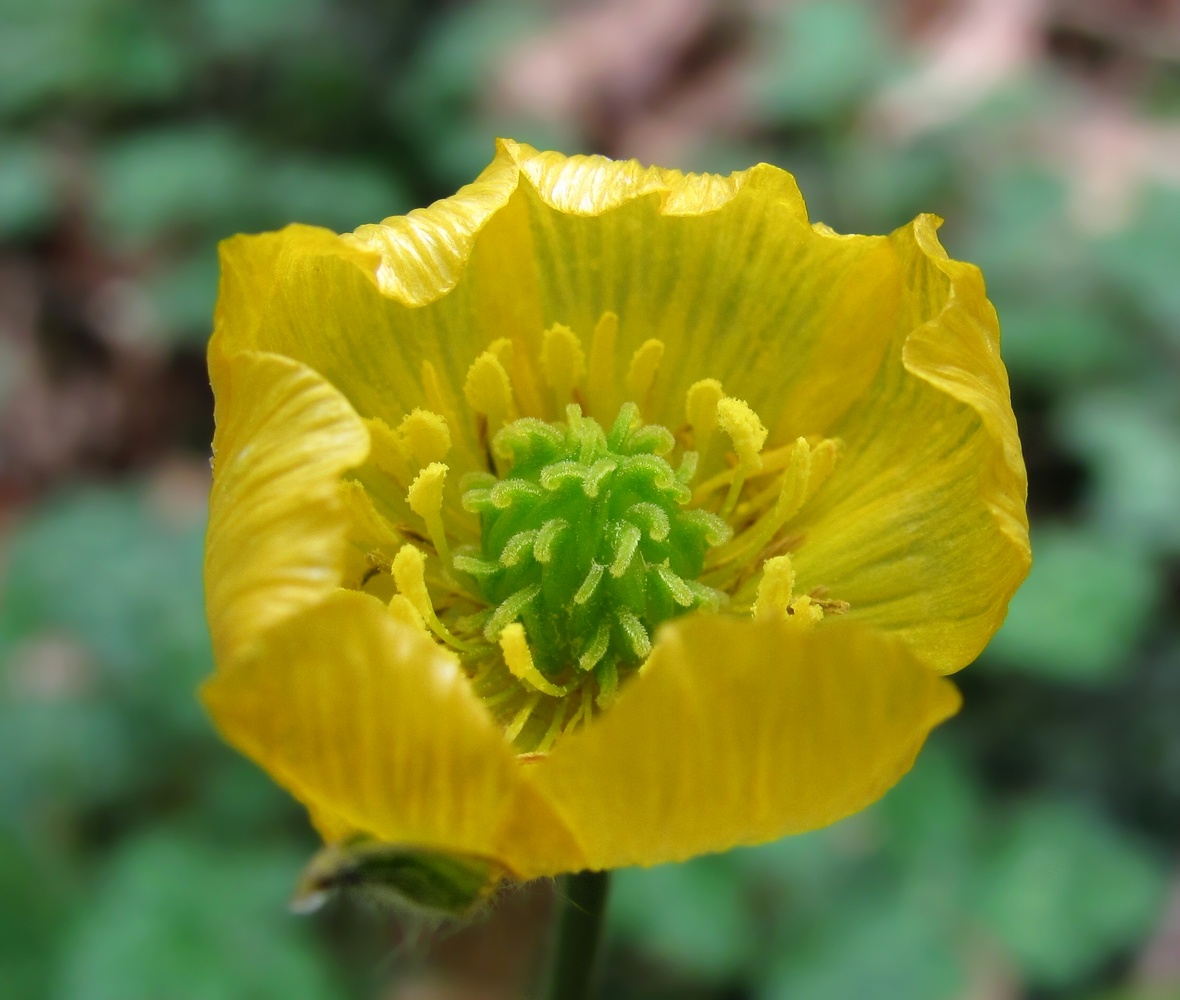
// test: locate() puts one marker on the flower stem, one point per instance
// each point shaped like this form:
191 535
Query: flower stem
574 961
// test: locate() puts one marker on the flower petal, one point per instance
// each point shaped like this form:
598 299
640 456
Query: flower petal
738 733
275 542
922 526
373 726
725 271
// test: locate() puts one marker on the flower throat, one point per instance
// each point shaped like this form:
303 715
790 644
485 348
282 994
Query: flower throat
585 546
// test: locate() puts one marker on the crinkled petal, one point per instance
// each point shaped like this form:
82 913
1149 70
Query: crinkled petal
373 726
726 271
922 526
275 542
738 733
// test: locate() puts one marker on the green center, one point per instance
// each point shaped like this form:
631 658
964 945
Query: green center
586 541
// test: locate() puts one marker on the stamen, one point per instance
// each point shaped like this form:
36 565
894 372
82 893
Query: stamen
804 614
522 716
563 361
387 451
488 390
501 347
515 647
436 397
600 380
741 423
642 371
425 435
792 495
775 589
403 610
554 727
425 498
409 573
700 409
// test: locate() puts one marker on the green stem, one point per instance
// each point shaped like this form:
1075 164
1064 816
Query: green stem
574 961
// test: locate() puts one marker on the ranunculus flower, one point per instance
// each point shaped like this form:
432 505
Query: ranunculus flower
601 515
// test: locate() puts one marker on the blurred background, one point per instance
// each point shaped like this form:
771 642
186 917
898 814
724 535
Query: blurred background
1033 852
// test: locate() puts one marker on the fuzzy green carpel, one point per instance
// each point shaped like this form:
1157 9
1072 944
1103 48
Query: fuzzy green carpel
586 540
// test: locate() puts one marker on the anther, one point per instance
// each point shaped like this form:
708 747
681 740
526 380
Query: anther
775 589
501 347
741 423
409 573
642 371
488 390
402 609
514 645
600 379
793 493
563 361
425 498
700 409
804 614
425 435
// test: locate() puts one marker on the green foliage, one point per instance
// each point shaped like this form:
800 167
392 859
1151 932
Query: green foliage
819 61
1064 890
140 859
1097 590
176 917
26 196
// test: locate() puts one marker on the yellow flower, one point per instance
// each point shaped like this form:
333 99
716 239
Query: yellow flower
601 515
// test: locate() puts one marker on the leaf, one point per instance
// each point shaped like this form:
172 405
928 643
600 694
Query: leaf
886 946
818 59
102 644
1083 609
1065 891
26 195
694 916
1131 436
199 177
174 918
